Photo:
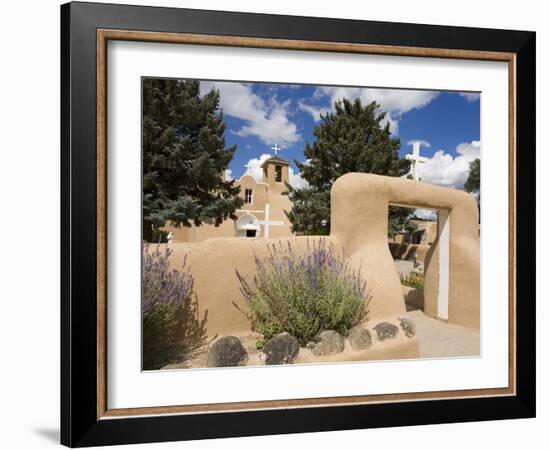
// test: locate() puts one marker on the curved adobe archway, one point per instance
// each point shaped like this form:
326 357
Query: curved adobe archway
359 220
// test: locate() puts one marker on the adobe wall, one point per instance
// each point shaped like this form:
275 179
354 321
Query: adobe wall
401 249
213 264
279 203
199 234
359 220
259 192
407 252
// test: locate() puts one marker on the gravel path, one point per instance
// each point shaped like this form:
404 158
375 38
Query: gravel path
403 267
439 339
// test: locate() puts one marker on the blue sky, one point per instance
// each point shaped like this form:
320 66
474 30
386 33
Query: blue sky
259 115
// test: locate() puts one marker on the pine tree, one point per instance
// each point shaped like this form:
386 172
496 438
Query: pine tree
184 157
472 183
353 138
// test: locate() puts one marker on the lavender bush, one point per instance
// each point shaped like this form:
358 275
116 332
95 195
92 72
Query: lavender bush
304 293
169 314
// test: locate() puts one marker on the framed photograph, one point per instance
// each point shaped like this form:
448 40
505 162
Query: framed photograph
276 224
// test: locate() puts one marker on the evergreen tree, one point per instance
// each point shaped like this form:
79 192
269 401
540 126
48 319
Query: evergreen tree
350 139
184 157
472 183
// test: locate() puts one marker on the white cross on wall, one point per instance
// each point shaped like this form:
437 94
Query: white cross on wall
416 159
267 223
248 167
276 149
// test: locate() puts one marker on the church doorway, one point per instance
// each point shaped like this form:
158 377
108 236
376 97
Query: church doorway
247 226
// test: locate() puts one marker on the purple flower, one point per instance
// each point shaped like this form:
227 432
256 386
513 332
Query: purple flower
304 292
160 285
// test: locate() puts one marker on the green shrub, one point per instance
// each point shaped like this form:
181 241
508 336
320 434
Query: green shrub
304 294
413 280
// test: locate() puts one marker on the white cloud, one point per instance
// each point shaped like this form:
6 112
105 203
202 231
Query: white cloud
470 150
444 170
393 101
256 166
394 124
426 214
314 111
269 120
294 179
470 96
228 174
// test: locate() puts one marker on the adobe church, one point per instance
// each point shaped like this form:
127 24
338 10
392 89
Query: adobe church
262 214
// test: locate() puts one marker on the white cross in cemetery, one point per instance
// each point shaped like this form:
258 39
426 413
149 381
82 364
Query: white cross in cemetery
248 167
266 222
276 149
416 159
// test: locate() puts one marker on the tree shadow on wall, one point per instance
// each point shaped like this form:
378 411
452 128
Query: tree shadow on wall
188 340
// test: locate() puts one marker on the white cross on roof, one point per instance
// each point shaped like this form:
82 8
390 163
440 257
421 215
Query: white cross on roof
276 149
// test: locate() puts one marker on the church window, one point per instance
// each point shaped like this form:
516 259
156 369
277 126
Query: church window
278 173
248 195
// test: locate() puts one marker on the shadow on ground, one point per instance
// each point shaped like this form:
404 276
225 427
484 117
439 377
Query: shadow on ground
191 337
49 434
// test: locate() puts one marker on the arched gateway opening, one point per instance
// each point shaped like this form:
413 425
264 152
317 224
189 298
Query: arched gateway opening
411 233
359 221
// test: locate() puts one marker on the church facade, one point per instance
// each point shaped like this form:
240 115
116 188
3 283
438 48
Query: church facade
262 214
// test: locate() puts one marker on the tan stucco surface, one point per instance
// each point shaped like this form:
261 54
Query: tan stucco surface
213 264
409 252
398 348
359 219
414 297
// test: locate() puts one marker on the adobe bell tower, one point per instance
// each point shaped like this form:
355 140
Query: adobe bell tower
276 171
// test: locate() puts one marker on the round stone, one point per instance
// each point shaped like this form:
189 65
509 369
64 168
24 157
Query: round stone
281 349
408 326
386 330
227 351
359 338
327 343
